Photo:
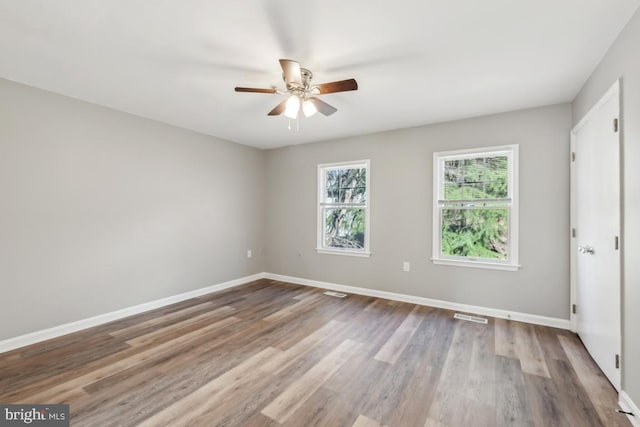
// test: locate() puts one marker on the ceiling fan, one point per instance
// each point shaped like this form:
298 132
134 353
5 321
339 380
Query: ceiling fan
301 92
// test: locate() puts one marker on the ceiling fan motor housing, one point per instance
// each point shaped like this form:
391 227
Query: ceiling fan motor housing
306 76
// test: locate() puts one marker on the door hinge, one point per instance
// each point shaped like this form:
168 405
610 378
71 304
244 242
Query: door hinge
573 232
573 156
617 361
615 125
616 245
574 308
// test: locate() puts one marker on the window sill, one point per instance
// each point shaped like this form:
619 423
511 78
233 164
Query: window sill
476 264
361 254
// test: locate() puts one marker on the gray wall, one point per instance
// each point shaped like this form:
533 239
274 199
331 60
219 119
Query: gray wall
101 210
401 212
623 61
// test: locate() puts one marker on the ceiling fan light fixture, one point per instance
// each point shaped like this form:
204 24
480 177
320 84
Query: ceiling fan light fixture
309 108
301 94
293 106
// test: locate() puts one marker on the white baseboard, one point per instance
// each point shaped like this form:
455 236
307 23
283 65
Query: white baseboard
628 405
56 331
38 336
501 314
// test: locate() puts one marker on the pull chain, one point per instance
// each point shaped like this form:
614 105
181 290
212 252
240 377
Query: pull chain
297 125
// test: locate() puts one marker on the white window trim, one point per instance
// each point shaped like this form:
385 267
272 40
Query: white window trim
367 207
511 264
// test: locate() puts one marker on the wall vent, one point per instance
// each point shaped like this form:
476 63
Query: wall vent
335 294
470 318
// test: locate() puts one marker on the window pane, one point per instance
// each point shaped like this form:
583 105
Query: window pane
331 196
331 186
481 233
345 185
344 228
353 185
452 191
476 178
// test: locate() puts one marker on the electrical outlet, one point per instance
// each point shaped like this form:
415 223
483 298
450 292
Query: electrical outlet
406 266
249 253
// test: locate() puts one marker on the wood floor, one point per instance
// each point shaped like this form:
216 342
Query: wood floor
271 353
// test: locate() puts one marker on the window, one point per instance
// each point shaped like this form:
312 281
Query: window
475 207
343 208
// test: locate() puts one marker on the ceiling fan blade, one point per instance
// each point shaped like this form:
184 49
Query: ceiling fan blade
279 109
291 70
339 86
257 90
323 107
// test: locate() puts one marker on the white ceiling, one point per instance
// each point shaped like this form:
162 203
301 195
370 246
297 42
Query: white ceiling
416 61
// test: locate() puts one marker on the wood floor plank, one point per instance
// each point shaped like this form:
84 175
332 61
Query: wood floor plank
323 408
478 414
351 379
397 396
301 305
550 343
529 352
68 389
594 382
384 398
305 293
32 371
155 322
250 398
258 420
175 385
541 398
449 402
179 328
434 334
505 338
141 395
283 360
393 348
364 421
300 325
239 403
481 382
511 398
573 399
480 396
254 309
376 323
294 396
192 407
175 364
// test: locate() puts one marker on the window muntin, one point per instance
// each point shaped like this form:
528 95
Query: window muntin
343 208
475 207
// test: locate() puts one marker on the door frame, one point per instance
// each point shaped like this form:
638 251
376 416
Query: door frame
614 90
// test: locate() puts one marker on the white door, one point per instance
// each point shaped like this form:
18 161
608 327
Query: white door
595 245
